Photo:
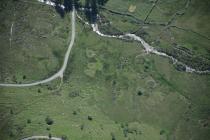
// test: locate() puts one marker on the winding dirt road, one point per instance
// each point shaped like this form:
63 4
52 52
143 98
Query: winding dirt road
41 137
60 73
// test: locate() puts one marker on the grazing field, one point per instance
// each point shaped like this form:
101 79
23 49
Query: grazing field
112 89
178 28
36 47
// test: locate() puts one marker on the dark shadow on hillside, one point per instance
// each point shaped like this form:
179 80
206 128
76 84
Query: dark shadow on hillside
68 5
60 10
65 6
91 9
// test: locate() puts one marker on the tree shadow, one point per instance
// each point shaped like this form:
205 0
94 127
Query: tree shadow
60 10
58 7
63 7
68 4
91 7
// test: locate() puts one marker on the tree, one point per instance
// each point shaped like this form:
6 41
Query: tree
74 113
39 90
11 111
24 77
140 93
59 2
113 136
90 118
162 132
68 5
28 120
50 135
82 126
49 121
64 137
102 2
92 9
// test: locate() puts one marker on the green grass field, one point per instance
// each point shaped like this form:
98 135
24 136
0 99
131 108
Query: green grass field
166 25
112 89
39 41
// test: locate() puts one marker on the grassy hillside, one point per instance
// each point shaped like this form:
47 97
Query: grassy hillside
33 38
178 28
112 89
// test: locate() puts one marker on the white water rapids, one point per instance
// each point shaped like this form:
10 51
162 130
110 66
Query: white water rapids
148 48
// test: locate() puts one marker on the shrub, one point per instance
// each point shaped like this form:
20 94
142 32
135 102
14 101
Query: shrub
140 93
24 77
162 132
50 135
29 121
39 90
64 137
82 126
49 121
90 118
113 136
74 94
74 113
11 111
